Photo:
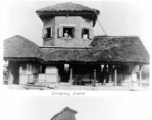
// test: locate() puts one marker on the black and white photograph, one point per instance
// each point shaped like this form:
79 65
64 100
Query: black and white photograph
75 60
75 45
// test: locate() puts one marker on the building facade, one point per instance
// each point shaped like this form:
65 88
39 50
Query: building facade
71 54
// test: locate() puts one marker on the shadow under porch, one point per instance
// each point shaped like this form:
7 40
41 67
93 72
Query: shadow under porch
74 74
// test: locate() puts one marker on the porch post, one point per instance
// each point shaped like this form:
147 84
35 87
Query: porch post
27 68
27 71
20 69
110 74
94 77
115 80
110 78
71 75
140 77
30 68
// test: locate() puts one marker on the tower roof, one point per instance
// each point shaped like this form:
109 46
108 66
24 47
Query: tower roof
67 7
69 109
64 109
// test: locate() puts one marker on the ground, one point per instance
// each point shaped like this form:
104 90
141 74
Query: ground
145 86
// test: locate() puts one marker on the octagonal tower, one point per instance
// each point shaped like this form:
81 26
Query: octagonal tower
67 24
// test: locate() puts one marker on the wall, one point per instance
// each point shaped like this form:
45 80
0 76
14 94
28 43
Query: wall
57 21
79 23
29 73
51 74
49 22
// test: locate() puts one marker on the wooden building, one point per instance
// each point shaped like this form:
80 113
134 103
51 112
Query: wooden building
71 54
65 114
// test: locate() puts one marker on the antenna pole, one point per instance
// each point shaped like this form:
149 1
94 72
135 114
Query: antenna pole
102 27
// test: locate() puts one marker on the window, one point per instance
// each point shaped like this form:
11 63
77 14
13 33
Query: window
47 32
23 68
87 33
66 32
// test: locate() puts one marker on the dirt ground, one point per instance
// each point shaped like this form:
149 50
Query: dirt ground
145 86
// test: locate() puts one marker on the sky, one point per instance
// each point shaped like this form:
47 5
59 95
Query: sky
88 108
118 18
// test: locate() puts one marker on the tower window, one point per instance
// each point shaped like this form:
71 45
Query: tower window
47 32
66 32
69 31
85 33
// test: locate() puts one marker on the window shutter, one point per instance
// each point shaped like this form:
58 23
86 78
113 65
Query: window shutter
73 32
60 33
82 32
44 33
91 34
51 31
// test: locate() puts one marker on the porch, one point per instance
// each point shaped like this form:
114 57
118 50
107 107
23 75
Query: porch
76 74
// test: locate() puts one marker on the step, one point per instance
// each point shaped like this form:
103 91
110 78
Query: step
74 87
64 83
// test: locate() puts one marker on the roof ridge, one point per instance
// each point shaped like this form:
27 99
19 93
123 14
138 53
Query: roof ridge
23 38
63 7
65 47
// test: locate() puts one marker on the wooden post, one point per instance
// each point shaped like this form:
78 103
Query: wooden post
57 75
20 69
110 78
94 77
30 68
27 68
27 72
115 80
110 74
71 76
140 77
71 73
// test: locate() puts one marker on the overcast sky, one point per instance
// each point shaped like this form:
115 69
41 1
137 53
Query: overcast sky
117 18
88 108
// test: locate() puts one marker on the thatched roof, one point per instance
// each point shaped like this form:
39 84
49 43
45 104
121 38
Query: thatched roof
58 54
18 47
105 49
111 49
68 109
64 109
119 49
67 7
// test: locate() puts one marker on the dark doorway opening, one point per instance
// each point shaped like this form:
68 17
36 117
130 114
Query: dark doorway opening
64 75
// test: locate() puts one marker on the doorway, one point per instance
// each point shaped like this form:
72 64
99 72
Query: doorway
64 75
